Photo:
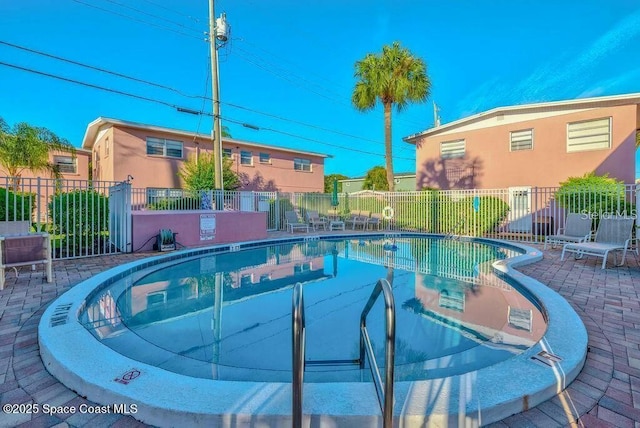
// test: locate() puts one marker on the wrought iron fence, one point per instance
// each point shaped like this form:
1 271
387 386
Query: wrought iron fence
75 213
525 214
87 218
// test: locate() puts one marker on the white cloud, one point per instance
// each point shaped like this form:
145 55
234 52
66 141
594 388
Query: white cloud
563 77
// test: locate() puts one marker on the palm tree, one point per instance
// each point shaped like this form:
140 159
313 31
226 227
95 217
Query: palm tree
394 77
26 147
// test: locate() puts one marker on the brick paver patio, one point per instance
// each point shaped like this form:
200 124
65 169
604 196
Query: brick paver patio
605 394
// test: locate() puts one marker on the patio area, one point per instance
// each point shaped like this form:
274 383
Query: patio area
605 394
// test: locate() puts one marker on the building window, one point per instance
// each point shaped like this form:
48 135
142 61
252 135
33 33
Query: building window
227 153
521 319
162 196
589 135
452 300
106 147
246 158
302 267
301 164
65 164
164 147
265 158
452 149
521 140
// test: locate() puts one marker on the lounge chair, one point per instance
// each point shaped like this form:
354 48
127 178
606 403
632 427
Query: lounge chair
577 229
316 221
293 222
375 221
358 218
613 234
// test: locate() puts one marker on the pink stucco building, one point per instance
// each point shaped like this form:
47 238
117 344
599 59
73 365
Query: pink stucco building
531 145
153 155
70 167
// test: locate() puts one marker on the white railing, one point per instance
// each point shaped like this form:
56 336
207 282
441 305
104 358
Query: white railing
76 212
524 214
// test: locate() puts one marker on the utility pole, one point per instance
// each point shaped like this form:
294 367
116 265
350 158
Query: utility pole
216 34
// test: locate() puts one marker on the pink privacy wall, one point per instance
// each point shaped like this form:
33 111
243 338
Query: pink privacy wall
489 163
230 226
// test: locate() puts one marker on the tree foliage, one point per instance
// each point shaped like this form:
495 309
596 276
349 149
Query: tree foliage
328 182
395 77
25 147
198 173
376 179
591 193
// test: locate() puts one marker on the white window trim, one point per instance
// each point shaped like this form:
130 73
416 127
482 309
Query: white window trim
268 162
455 155
511 141
573 149
73 164
164 141
303 162
250 158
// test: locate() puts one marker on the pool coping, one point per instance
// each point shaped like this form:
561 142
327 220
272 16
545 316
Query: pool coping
168 399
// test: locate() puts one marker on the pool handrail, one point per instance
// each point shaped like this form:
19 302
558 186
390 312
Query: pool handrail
385 395
298 354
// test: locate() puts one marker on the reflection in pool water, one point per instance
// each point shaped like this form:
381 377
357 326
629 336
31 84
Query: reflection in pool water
228 316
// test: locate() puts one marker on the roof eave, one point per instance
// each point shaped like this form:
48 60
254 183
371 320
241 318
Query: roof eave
92 130
615 100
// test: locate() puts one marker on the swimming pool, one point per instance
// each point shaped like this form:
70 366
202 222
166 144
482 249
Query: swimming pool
221 320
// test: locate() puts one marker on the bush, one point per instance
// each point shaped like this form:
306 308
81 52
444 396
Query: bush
16 206
590 194
185 203
79 212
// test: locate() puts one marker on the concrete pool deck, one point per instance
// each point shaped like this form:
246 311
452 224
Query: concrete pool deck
606 393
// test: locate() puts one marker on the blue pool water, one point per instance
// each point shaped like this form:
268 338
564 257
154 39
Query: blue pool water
228 316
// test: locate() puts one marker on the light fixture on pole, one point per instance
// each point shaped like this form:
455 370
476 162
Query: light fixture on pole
218 36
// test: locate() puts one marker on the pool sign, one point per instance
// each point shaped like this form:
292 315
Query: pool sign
476 203
128 376
207 227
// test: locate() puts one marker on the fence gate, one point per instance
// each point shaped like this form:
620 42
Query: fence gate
520 213
120 216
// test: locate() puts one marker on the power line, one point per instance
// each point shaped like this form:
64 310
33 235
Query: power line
300 82
103 70
90 85
312 139
172 10
164 27
203 97
176 107
153 15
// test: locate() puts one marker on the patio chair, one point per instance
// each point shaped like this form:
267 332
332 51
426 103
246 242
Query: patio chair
358 218
293 222
613 234
20 247
577 229
315 220
375 221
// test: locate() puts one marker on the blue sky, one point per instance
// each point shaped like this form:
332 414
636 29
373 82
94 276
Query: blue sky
288 66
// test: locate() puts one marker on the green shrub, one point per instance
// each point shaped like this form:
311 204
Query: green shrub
16 206
79 213
590 193
184 203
